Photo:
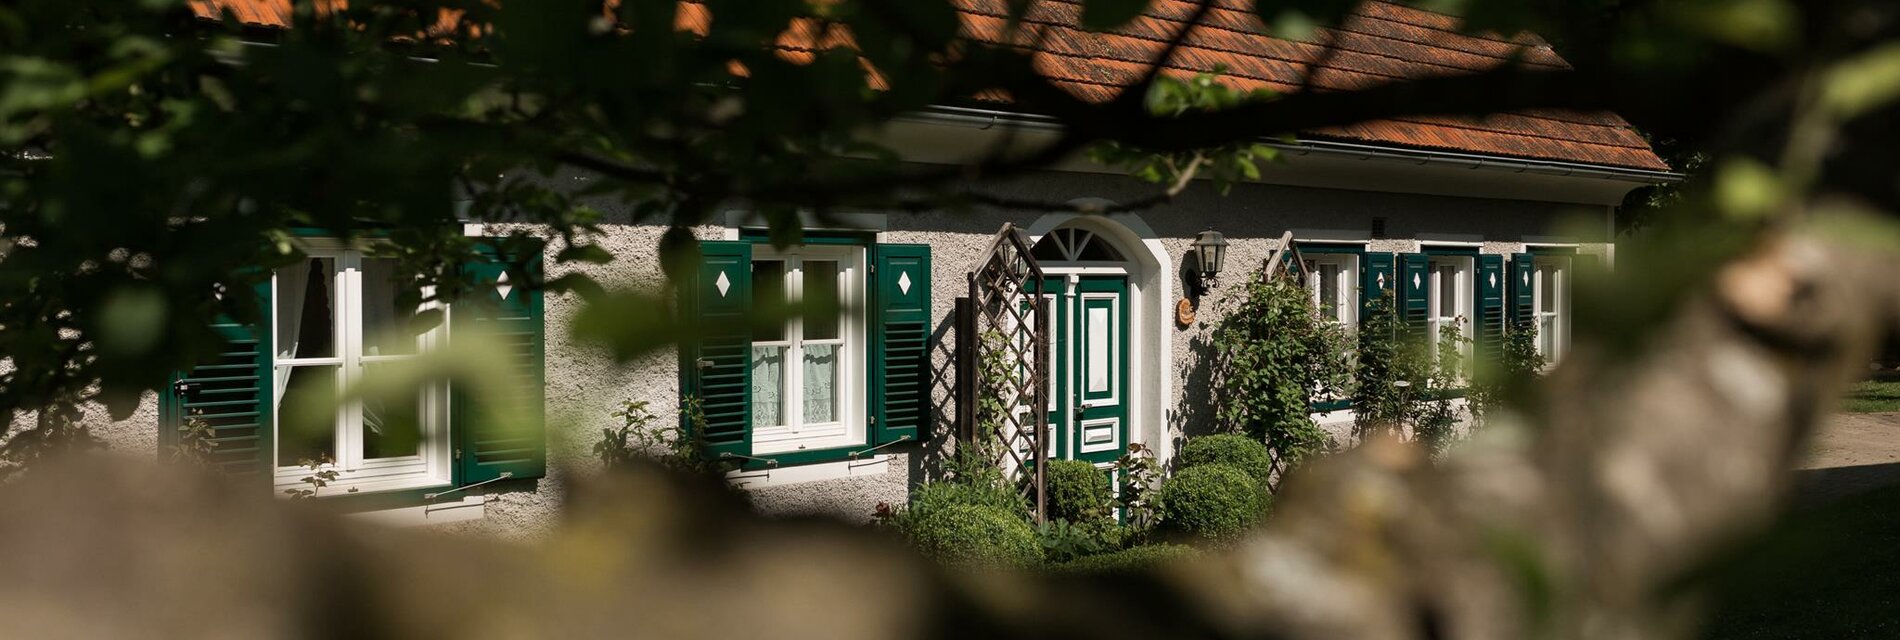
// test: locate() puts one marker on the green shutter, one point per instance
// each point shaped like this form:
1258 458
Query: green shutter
1490 317
1374 280
231 393
1523 274
716 358
900 352
1414 291
485 446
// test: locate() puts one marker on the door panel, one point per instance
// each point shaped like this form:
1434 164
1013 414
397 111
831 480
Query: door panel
1088 401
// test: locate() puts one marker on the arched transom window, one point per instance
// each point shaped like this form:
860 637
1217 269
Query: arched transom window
1075 245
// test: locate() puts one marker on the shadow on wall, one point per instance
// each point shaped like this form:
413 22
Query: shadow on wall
927 460
1194 412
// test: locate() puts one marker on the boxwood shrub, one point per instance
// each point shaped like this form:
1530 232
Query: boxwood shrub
1078 491
1211 502
1238 451
969 534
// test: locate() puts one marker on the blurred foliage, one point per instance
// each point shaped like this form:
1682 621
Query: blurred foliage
1133 560
1223 166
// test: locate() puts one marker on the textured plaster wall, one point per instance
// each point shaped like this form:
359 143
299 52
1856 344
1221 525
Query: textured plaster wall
584 385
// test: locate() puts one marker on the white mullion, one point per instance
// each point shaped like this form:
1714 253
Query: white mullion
349 450
790 407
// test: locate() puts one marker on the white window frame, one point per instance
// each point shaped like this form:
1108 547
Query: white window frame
1346 312
1558 269
432 465
1463 283
849 430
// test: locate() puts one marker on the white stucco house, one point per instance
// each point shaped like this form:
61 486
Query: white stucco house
1479 219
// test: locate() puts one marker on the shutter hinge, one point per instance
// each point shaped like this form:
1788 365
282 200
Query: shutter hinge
872 267
458 453
873 420
703 363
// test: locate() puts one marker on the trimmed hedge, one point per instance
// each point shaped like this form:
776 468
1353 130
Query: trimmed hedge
1077 491
1238 451
968 534
1130 560
1213 502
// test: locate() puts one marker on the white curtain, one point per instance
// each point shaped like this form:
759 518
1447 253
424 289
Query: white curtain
292 283
821 383
768 386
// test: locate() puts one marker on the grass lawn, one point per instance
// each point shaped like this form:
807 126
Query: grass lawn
1877 394
1827 572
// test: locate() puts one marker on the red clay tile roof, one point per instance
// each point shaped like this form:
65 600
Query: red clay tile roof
1379 42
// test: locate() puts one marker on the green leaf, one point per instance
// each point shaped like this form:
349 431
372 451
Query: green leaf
132 320
1863 83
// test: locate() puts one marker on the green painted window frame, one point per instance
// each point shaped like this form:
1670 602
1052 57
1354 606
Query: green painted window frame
172 409
876 435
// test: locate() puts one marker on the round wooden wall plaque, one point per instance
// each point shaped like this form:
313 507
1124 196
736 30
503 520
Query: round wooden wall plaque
1184 312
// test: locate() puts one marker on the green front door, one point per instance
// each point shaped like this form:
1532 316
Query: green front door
1088 387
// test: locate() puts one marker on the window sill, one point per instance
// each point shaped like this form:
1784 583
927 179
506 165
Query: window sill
810 472
345 487
441 511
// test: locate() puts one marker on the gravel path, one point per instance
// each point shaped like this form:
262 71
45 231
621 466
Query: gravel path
1854 452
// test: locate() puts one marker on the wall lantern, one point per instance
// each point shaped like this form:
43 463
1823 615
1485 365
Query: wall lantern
1210 250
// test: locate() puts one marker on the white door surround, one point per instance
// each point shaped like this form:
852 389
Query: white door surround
1151 345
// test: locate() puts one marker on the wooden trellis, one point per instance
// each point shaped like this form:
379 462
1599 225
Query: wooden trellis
1003 364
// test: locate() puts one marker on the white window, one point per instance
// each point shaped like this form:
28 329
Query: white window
807 371
336 319
1448 300
1550 294
1332 283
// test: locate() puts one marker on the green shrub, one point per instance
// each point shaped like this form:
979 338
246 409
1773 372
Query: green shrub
974 535
1213 502
936 495
1078 491
1238 451
1063 540
1130 560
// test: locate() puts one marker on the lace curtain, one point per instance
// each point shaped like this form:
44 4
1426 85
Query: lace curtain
821 383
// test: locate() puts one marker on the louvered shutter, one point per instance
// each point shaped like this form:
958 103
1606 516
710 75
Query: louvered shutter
1523 278
900 353
1374 281
1414 292
1492 282
716 358
231 393
503 308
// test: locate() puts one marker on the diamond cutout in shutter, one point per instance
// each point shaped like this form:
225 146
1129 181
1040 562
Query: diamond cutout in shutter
1415 281
903 282
1494 279
1381 279
502 287
723 283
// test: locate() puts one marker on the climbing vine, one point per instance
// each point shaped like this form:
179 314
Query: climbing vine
1273 355
1388 373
